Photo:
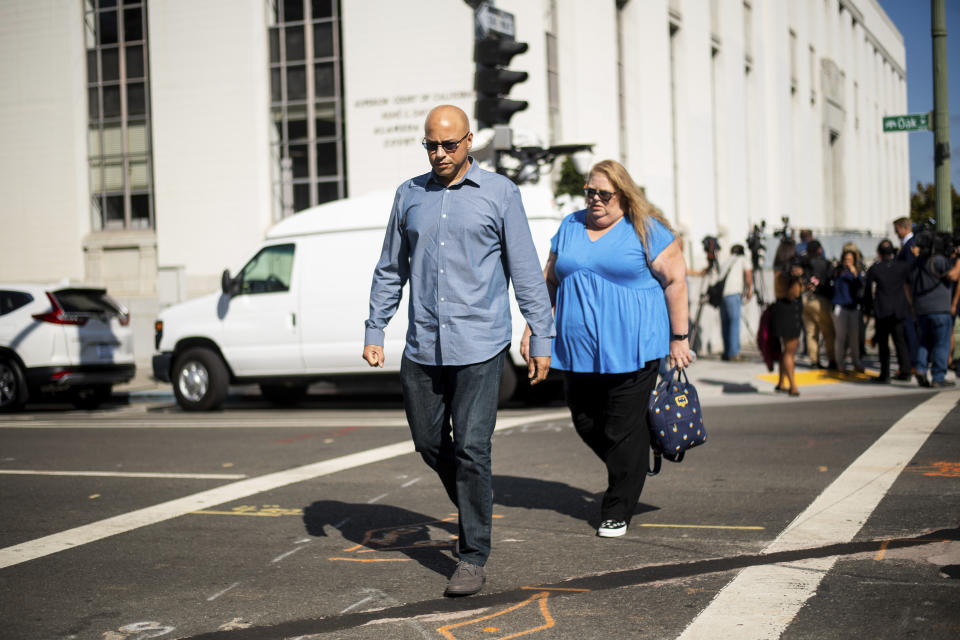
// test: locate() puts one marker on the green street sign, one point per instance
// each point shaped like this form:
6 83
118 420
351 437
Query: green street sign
909 122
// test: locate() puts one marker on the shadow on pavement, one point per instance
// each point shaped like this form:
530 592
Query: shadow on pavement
533 493
379 528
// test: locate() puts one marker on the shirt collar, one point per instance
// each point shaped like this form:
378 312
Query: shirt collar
906 238
472 175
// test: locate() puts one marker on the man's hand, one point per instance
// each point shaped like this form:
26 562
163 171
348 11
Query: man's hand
537 369
373 354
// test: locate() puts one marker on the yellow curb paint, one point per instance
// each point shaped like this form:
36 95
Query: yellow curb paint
95 496
553 589
820 376
704 526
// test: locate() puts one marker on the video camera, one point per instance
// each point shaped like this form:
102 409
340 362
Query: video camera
931 242
755 242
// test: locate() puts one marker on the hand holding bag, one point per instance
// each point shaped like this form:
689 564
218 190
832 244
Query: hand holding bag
676 421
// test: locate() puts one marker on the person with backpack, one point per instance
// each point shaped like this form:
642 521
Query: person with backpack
931 277
736 285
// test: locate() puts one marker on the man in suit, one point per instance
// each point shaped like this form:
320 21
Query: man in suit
886 300
904 230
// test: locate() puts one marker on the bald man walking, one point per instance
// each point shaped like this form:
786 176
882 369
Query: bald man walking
458 234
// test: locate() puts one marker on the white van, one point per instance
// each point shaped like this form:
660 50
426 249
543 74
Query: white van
294 313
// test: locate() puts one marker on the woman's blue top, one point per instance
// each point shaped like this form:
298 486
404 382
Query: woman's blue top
611 313
846 288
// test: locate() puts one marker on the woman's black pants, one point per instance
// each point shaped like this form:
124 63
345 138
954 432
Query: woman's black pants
609 411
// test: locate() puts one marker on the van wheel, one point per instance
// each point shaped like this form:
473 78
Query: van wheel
13 386
284 394
508 383
91 397
200 380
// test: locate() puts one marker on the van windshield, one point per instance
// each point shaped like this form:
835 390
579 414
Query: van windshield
269 271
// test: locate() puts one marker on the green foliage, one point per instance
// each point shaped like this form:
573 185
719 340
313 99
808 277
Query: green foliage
571 181
922 204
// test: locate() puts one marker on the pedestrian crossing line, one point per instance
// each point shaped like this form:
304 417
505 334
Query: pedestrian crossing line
761 601
125 474
94 531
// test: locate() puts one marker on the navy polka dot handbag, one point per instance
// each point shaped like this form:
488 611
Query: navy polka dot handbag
676 421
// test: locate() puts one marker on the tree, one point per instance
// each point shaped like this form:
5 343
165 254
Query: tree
571 181
922 204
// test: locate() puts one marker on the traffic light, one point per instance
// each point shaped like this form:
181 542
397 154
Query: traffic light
493 82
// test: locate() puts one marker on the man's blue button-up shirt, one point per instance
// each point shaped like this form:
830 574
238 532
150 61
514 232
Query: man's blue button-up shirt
459 246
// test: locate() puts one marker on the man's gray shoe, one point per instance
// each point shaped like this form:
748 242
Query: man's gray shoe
466 580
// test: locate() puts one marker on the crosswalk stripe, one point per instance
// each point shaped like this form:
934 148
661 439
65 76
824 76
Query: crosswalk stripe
761 602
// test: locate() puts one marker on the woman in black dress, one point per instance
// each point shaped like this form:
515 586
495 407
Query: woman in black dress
787 311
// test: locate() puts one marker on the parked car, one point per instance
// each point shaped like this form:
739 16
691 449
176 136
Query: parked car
68 341
294 313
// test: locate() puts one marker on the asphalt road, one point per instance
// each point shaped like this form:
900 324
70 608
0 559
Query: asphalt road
321 522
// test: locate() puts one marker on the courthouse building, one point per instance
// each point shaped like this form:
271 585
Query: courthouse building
148 144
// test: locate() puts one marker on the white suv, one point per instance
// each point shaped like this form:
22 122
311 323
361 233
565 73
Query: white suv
62 339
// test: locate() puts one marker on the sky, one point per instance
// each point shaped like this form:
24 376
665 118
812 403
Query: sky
912 19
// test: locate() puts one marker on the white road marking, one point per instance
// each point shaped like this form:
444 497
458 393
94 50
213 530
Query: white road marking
284 555
94 531
410 482
357 604
761 602
220 593
378 498
122 474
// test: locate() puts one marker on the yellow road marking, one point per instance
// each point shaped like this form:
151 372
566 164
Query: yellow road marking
544 611
553 589
883 550
704 526
370 559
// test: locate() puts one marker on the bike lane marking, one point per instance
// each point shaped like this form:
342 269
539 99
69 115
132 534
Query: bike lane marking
95 531
761 601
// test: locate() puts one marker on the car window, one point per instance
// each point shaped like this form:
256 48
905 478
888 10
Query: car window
269 271
85 301
13 300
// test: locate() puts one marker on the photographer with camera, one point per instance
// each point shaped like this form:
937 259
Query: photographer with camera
931 283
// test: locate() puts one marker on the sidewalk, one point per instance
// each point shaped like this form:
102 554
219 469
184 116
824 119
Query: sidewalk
718 382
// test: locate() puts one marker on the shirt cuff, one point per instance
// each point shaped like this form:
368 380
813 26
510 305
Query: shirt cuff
373 336
540 347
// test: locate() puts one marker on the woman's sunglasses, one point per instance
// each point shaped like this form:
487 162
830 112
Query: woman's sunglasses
604 196
448 145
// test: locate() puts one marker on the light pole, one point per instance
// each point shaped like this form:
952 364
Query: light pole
941 117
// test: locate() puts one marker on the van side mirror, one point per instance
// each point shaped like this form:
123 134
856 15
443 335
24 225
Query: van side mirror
228 285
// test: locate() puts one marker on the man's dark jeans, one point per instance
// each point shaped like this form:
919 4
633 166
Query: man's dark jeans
452 411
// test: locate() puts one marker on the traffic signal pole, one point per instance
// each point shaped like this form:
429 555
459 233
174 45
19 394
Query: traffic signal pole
941 117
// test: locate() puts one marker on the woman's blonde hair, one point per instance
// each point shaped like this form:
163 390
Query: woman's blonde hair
635 205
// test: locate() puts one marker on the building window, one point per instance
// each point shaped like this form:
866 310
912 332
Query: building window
306 103
119 148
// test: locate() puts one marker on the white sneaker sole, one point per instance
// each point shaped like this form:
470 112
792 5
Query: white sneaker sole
611 533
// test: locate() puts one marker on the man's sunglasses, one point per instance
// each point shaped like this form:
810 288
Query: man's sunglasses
448 145
604 196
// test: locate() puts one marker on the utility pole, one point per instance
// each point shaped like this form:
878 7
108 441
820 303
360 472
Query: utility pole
941 117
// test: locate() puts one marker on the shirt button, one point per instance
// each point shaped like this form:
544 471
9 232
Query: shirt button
443 326
442 299
443 244
443 215
441 270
